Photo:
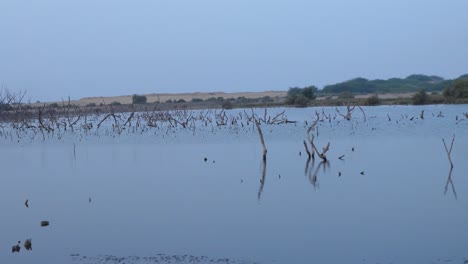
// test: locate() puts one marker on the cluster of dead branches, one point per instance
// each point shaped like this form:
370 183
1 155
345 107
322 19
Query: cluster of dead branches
313 149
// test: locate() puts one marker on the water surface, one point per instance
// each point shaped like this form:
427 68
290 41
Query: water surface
154 199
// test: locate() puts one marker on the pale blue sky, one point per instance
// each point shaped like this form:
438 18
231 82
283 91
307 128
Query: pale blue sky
78 48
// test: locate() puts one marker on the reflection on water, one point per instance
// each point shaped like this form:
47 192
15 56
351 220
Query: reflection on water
262 179
449 181
156 199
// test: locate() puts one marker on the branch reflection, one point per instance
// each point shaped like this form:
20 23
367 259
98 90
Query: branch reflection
449 181
262 180
312 174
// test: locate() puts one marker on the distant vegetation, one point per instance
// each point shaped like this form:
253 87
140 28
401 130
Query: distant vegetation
420 97
458 88
412 83
115 103
139 99
373 100
426 89
301 96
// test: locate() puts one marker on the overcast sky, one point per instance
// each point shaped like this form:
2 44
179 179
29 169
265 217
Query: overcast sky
80 48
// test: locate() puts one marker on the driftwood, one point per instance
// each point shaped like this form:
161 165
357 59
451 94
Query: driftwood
324 151
349 111
364 113
311 137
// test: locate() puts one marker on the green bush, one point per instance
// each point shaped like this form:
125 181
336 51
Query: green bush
420 97
196 100
458 89
53 105
345 95
5 107
301 96
267 99
301 101
373 100
309 92
115 103
226 105
139 99
181 101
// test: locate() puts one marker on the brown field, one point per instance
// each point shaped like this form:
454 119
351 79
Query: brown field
163 97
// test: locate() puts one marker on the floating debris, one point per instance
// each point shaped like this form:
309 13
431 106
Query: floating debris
341 157
339 173
27 244
26 203
44 223
362 172
158 258
205 159
15 248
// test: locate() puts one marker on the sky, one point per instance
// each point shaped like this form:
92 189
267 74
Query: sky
53 49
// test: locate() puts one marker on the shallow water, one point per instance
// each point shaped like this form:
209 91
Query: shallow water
152 192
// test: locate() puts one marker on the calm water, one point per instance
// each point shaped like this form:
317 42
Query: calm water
154 199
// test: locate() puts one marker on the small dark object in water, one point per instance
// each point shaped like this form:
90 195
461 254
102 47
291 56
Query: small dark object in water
352 149
341 157
279 176
27 244
16 248
44 223
362 172
242 180
339 173
26 203
213 161
300 153
205 159
89 199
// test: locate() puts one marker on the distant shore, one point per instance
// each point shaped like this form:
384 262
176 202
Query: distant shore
188 97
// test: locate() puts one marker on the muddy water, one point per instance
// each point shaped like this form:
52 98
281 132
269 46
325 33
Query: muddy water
151 197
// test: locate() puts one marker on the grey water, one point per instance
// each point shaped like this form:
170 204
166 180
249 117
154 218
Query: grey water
150 196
